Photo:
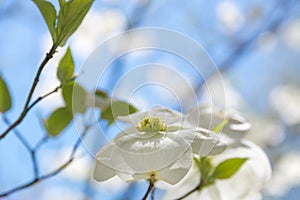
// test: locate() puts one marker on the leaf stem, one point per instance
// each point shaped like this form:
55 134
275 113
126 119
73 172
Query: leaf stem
36 178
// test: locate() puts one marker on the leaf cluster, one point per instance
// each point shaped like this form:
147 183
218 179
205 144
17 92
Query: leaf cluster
63 24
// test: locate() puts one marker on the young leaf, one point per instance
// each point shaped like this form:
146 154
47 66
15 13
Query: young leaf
75 97
5 99
65 68
228 168
70 17
49 13
220 126
117 108
58 121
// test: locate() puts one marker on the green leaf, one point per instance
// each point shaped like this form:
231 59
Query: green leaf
65 68
75 97
49 13
115 109
228 168
70 17
58 121
220 126
5 99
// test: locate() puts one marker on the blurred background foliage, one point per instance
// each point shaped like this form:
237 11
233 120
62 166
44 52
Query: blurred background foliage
255 44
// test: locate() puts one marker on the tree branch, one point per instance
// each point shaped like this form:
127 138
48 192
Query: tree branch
42 97
151 186
152 180
32 152
32 89
54 172
17 133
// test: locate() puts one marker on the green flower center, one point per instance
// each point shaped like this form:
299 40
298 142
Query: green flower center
153 124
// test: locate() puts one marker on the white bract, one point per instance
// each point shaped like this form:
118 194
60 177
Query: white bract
156 146
248 181
209 117
285 175
246 184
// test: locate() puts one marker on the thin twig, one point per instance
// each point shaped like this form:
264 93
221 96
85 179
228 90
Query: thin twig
43 97
151 186
153 193
17 133
41 142
53 173
197 188
26 145
32 89
34 164
36 180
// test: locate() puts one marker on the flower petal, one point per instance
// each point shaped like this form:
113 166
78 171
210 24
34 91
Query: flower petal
204 142
102 172
171 174
128 131
247 182
177 171
133 154
209 117
252 176
167 115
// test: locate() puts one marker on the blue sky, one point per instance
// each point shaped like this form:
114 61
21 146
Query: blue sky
271 61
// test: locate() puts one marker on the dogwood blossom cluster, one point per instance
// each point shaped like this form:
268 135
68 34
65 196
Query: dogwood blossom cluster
160 143
248 182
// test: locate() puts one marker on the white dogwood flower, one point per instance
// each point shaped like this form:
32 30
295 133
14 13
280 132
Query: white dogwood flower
155 146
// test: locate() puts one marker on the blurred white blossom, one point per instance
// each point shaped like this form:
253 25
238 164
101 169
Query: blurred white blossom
230 15
291 33
266 132
285 100
246 184
285 175
61 193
